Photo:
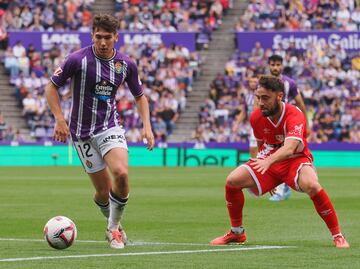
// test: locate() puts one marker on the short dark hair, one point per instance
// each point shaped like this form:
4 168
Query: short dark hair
271 83
275 58
106 22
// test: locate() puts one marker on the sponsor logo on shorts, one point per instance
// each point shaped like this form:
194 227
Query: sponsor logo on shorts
119 138
88 164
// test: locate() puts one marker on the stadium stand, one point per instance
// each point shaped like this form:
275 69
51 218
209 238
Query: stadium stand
168 73
327 78
273 15
172 16
52 15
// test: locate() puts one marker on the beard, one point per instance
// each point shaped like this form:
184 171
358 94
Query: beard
272 110
275 73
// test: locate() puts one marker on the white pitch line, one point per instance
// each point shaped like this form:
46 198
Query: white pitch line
130 243
142 253
43 240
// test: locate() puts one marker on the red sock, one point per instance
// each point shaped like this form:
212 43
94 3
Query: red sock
235 203
326 211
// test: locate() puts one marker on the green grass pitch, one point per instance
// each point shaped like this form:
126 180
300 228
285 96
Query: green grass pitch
183 207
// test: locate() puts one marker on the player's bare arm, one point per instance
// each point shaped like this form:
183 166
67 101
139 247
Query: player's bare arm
259 143
300 104
61 129
286 151
143 107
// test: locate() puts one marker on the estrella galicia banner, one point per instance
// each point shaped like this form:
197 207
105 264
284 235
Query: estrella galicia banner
45 40
350 41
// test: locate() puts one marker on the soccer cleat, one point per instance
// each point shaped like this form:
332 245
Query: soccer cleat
230 238
115 239
123 236
281 195
340 241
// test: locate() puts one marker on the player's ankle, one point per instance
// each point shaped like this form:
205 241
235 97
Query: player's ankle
237 230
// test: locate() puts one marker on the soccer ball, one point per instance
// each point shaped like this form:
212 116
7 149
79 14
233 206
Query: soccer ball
60 232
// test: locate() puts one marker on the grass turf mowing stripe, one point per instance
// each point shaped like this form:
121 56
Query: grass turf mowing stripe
131 243
142 253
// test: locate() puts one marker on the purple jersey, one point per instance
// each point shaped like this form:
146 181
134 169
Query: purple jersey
94 82
290 88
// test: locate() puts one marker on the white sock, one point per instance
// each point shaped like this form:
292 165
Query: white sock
117 207
237 230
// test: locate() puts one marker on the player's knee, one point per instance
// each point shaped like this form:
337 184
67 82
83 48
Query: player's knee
312 188
231 180
120 175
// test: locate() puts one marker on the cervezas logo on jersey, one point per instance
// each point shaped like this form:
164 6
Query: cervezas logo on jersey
58 71
119 67
297 130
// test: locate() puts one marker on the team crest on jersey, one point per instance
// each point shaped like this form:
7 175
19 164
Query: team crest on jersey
88 164
58 71
119 67
297 130
279 138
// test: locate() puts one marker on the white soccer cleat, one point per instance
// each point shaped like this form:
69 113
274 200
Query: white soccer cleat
282 193
115 239
123 236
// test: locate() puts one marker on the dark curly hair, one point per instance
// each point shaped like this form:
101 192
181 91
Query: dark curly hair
106 22
271 83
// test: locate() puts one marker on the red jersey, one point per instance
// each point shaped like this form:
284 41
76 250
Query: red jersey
291 124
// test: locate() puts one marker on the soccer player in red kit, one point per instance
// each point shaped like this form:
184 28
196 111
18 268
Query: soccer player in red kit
284 156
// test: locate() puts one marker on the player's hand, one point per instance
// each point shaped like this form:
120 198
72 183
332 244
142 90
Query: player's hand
261 165
61 131
148 138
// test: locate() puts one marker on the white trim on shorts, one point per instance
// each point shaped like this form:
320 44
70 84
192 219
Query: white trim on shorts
296 179
247 167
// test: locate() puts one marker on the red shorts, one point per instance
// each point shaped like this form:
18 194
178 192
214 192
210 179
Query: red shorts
286 171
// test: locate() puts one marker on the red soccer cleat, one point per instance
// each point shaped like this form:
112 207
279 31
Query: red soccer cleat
340 242
230 238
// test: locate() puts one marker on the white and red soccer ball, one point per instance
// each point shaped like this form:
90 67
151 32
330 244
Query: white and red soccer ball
60 232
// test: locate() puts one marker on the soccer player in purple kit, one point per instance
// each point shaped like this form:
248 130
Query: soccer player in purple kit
96 72
275 62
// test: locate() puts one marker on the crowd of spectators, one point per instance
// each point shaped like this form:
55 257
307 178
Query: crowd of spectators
9 133
51 15
327 78
167 75
202 16
303 15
